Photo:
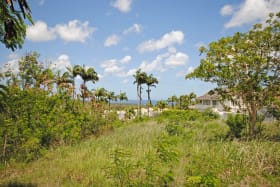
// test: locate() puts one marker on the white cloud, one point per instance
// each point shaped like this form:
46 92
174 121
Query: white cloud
115 67
154 65
11 66
13 56
178 59
125 59
74 31
136 28
61 63
226 10
122 5
167 40
184 73
111 41
251 11
162 62
131 72
40 32
111 66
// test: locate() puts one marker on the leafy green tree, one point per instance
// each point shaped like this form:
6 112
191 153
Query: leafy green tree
245 67
186 100
140 78
12 25
87 74
29 69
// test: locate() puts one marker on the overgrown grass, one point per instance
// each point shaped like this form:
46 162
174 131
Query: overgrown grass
177 149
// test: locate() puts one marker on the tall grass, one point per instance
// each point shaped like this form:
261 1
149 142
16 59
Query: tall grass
177 149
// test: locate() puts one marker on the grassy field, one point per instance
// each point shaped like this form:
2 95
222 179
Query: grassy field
167 151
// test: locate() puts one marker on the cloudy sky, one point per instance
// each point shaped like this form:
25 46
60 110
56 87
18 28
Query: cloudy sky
117 37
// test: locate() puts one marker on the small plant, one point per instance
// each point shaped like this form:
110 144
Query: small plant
174 129
166 150
204 180
121 166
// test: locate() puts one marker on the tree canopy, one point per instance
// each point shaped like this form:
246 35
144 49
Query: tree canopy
12 25
245 67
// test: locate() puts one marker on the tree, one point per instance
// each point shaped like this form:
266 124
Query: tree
161 104
45 78
12 25
245 67
186 100
151 81
173 100
122 97
73 71
111 97
3 95
29 69
100 94
140 78
87 74
63 81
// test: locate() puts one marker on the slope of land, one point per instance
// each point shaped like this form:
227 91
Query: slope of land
172 150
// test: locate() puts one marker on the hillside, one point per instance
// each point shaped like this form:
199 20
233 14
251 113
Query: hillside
175 149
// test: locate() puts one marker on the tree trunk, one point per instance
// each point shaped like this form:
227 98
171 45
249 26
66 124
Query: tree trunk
139 100
5 146
253 120
149 100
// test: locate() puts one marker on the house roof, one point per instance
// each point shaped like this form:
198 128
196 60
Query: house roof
208 96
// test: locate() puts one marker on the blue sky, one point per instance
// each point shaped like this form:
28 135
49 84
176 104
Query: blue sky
117 37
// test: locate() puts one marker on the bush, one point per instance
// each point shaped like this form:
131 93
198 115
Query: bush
237 124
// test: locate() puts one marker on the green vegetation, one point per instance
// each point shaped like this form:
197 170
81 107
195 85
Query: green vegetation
178 148
12 25
245 67
49 137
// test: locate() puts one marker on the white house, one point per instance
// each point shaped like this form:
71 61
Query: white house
214 101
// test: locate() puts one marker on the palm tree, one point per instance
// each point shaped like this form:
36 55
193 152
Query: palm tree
140 78
111 97
87 74
173 99
45 78
161 104
122 96
63 81
151 81
100 93
73 71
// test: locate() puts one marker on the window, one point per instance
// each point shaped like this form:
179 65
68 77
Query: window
214 102
206 102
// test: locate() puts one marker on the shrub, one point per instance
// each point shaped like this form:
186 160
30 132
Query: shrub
237 124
